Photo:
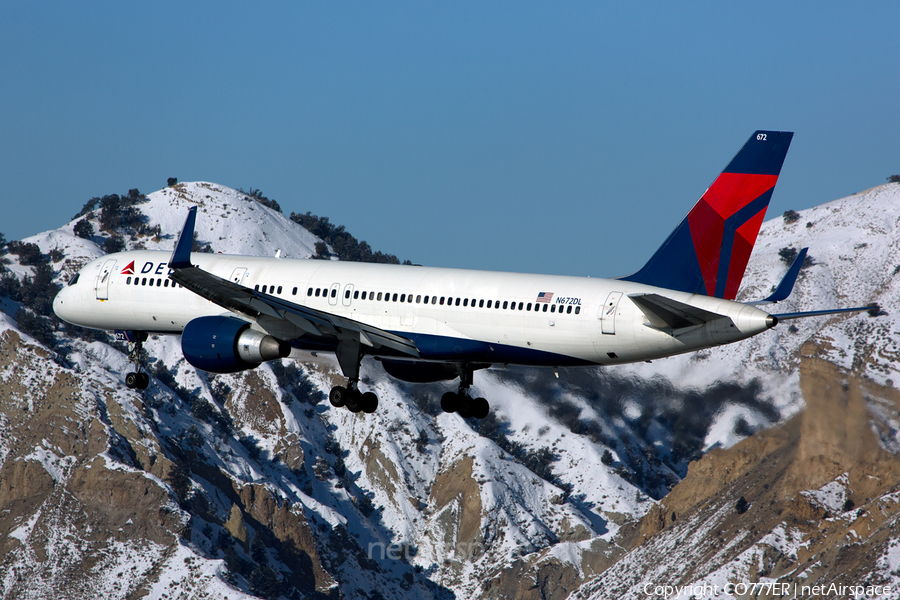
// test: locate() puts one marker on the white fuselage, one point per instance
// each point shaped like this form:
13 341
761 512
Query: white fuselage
451 314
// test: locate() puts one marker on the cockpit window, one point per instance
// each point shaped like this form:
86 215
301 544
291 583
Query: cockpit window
74 279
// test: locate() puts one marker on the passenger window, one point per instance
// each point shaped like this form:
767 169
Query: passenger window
279 289
426 299
334 293
442 300
569 310
165 283
434 299
409 299
473 302
528 306
265 289
545 307
356 295
128 281
481 304
402 297
309 292
505 303
347 294
419 299
379 296
294 292
577 309
465 302
489 303
395 298
457 301
553 308
256 287
521 305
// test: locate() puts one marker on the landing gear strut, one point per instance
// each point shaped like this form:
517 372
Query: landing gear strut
136 379
461 402
349 354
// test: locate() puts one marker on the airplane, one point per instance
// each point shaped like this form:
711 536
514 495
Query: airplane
427 324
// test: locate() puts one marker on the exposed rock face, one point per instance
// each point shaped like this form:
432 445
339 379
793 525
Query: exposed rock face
813 501
84 488
249 484
70 491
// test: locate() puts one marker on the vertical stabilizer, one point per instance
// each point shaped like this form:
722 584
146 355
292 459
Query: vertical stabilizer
709 250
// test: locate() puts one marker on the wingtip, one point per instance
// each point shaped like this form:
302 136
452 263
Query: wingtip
181 256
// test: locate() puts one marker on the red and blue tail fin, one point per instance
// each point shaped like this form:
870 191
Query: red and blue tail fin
709 250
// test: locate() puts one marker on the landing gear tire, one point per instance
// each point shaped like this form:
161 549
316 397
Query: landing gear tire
338 396
354 402
138 381
449 402
131 380
369 403
464 408
480 408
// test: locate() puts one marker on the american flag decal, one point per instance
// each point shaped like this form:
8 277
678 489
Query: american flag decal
544 297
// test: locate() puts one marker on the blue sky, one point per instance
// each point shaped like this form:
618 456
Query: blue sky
564 137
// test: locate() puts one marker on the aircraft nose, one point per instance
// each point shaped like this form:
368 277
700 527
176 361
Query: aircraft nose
61 304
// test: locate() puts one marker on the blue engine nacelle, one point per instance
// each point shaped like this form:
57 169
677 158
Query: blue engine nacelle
228 345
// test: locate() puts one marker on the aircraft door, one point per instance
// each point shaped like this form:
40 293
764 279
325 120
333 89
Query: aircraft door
103 278
238 275
333 294
348 294
608 313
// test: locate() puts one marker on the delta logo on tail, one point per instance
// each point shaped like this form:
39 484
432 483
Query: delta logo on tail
709 250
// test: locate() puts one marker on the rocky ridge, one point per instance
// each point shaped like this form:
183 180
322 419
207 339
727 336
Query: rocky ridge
248 484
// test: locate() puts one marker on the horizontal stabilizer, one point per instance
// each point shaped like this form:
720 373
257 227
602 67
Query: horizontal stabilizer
817 313
786 286
665 313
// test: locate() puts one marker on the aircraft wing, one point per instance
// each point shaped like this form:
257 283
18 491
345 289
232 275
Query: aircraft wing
273 313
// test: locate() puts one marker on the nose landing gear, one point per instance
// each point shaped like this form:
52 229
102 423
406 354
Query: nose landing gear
136 379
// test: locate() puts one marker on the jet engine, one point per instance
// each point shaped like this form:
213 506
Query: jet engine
228 345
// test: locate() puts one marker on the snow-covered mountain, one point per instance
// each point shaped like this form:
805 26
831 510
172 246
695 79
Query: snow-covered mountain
250 484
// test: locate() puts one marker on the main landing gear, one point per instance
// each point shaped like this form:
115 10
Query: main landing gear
136 379
461 402
349 354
